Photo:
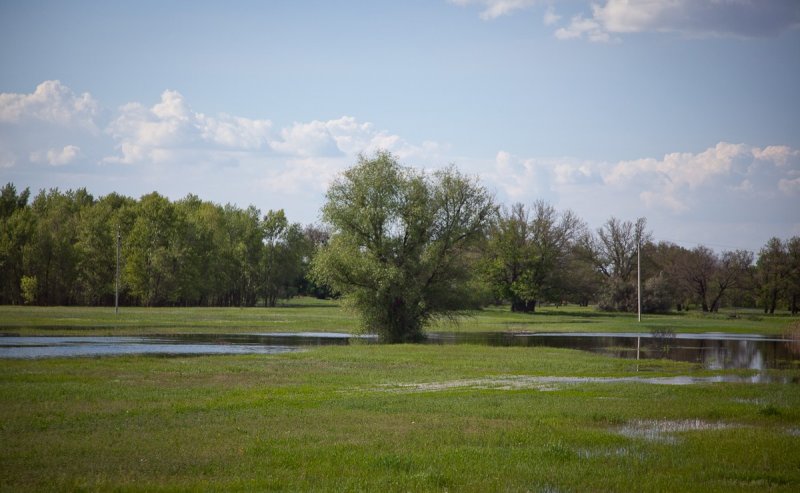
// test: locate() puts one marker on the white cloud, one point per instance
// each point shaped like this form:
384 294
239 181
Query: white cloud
580 27
682 169
550 16
789 186
56 157
677 183
493 9
518 178
571 173
160 133
308 139
170 129
306 175
699 17
346 136
780 155
175 149
670 178
234 132
51 102
601 20
720 195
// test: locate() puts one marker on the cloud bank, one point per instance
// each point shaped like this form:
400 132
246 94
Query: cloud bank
169 145
606 20
727 193
54 137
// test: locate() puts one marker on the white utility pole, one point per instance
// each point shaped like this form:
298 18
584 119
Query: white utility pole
639 275
116 280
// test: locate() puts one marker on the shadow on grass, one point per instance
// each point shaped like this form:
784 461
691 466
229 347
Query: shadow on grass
305 305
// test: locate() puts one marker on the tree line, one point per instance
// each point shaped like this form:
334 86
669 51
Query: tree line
422 244
59 248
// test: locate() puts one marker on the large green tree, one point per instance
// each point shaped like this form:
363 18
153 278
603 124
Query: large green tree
400 244
528 253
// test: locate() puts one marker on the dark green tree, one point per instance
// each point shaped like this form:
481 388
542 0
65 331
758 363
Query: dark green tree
773 270
152 257
16 229
285 249
528 253
96 247
400 243
51 255
793 274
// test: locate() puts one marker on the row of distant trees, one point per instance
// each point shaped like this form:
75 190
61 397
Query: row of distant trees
539 254
60 248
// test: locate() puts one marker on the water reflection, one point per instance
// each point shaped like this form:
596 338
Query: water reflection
45 347
715 351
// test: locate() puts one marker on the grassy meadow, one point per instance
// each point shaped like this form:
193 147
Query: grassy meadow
312 315
369 417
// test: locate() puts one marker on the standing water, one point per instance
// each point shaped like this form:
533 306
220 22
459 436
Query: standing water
715 351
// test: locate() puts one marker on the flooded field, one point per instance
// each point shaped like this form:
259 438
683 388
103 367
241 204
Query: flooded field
713 350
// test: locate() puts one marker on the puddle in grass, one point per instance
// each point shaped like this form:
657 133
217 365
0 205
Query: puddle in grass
549 384
181 344
665 431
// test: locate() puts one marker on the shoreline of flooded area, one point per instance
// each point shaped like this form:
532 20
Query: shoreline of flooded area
714 351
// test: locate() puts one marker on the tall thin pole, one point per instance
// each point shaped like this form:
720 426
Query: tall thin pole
116 280
639 275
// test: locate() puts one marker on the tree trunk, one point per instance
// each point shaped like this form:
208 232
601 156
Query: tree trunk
773 301
518 305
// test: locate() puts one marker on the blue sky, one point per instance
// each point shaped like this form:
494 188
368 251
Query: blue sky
686 112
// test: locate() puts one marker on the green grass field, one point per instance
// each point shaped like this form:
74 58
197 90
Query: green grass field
388 418
309 314
371 417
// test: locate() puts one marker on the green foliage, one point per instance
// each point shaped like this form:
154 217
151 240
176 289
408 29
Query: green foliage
285 250
528 252
28 287
16 229
617 295
657 296
51 253
195 253
778 275
403 243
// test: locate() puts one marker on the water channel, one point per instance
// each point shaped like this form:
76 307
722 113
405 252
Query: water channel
713 351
